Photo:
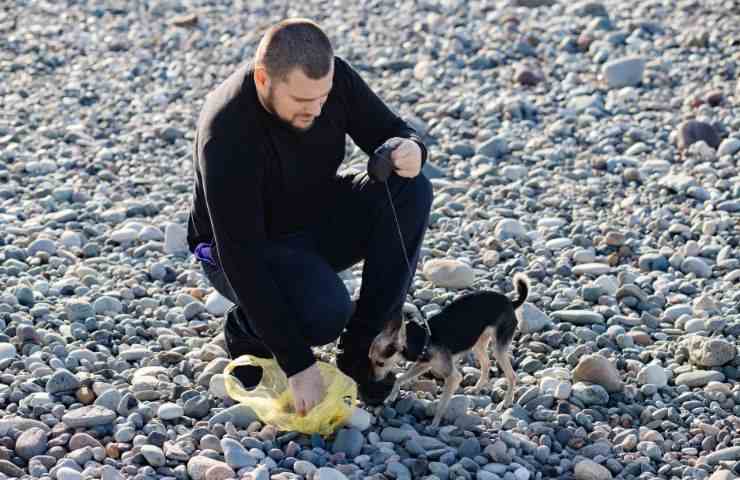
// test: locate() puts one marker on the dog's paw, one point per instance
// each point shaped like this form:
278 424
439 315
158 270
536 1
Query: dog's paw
477 390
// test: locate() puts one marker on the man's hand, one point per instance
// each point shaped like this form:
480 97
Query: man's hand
308 389
406 157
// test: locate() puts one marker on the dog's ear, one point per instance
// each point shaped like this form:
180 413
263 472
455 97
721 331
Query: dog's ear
394 323
395 332
396 342
400 337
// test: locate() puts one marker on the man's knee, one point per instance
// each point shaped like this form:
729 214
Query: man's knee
327 320
319 297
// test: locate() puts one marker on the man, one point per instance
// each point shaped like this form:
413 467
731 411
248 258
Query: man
273 223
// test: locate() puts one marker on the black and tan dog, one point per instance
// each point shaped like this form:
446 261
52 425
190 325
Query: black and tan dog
468 323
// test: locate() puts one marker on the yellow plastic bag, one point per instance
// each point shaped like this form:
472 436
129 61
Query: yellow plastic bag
272 399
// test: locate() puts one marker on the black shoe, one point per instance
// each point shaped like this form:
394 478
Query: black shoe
240 341
355 363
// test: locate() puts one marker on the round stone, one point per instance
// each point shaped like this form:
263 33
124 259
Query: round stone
31 443
170 411
653 375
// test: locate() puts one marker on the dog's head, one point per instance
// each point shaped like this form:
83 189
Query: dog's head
385 351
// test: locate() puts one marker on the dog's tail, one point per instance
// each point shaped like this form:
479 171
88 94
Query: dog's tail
506 326
522 289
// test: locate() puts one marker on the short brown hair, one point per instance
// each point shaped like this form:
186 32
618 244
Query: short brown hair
295 43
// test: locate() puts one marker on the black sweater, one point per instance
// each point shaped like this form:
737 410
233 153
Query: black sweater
256 179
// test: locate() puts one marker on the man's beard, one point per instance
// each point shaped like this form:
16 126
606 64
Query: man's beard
270 106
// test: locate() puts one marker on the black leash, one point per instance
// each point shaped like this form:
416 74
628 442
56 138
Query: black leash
380 168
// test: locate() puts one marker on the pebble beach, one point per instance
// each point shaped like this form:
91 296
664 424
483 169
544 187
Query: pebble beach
594 146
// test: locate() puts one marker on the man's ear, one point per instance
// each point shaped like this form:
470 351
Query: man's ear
260 75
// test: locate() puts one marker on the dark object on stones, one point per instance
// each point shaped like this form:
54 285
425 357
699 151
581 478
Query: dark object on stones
527 76
692 131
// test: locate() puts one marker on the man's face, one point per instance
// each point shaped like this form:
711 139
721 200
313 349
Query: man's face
298 100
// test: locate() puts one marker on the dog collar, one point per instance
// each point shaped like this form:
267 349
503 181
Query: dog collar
423 353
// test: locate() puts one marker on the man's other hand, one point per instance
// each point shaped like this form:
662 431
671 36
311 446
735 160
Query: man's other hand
406 157
308 389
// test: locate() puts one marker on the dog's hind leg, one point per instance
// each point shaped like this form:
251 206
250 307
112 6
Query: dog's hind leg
502 357
416 370
481 354
453 378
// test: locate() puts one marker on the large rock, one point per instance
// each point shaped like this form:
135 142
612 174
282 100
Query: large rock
729 146
90 416
199 465
697 266
236 455
532 319
175 239
578 317
590 470
723 475
30 443
653 374
326 473
82 440
221 472
19 423
599 370
7 351
592 268
728 454
153 455
510 228
624 72
78 310
45 245
12 470
217 304
360 419
217 365
107 304
240 415
590 393
62 381
348 441
448 273
711 352
699 378
495 147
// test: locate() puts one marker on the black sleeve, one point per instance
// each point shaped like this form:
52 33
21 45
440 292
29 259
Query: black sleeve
236 212
371 121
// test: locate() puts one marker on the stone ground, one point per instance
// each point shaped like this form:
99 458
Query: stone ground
592 145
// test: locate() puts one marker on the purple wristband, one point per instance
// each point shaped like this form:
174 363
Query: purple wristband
203 252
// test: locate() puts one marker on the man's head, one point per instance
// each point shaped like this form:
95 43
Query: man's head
293 71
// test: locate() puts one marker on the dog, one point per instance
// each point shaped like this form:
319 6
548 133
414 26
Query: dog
470 322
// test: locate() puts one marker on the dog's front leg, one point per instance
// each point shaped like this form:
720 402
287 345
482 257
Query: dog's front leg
452 382
416 370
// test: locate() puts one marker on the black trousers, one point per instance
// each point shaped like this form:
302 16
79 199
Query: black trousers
359 227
